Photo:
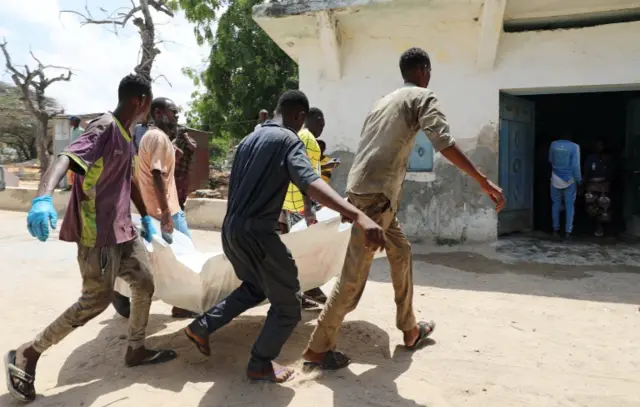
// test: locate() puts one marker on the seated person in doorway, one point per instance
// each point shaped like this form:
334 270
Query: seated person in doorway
564 157
597 183
327 164
296 206
185 148
155 174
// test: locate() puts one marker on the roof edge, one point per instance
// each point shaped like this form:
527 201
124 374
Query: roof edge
287 8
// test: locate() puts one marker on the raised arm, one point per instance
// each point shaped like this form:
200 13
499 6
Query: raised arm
436 128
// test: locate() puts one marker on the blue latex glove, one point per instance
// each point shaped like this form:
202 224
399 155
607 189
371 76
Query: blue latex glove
41 215
147 229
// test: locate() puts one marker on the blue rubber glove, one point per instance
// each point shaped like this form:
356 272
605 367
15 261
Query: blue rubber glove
147 229
41 215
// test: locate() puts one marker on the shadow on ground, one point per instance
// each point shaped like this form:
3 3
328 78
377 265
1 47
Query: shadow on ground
468 270
97 367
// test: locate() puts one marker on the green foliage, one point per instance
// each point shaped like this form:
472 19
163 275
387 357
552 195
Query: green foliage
17 126
246 71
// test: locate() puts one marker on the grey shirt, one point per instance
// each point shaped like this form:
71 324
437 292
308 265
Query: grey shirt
388 136
266 161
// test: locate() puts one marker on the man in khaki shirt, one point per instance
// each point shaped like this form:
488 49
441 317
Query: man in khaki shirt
374 186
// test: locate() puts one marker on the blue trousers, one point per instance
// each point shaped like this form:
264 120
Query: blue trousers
180 224
568 195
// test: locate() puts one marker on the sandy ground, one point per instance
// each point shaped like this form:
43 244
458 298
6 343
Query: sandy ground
512 331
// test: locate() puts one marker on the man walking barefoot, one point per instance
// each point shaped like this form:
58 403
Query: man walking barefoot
374 186
266 162
98 220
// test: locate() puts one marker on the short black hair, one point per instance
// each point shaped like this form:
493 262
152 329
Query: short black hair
412 59
315 112
292 100
132 86
160 103
322 145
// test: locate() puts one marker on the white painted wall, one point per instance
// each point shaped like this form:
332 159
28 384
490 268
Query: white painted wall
598 56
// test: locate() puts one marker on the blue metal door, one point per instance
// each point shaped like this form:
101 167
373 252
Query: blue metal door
516 163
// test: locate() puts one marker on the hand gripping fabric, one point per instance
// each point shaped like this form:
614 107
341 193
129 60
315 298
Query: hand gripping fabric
147 228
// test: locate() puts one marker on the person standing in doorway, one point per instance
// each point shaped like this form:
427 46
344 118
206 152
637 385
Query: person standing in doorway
98 220
185 149
597 175
564 157
374 186
297 206
267 161
76 132
263 116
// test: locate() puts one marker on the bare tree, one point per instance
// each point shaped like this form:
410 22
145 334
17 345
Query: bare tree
139 14
33 84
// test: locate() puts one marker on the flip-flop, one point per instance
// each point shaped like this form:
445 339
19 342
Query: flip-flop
158 356
14 373
272 377
204 349
426 329
332 360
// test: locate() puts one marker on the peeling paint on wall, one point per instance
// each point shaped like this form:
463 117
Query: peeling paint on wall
451 209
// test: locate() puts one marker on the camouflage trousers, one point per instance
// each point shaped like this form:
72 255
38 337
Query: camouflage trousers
99 266
355 272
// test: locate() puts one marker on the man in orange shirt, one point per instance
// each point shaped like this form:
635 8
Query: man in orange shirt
155 174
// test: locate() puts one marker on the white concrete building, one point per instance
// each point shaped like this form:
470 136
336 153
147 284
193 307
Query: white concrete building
510 74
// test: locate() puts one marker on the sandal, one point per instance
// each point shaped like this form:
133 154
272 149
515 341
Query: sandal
19 382
201 343
426 329
332 360
155 357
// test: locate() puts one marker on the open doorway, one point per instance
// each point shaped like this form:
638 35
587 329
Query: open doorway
528 125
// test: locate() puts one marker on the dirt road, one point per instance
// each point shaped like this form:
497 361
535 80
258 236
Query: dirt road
510 333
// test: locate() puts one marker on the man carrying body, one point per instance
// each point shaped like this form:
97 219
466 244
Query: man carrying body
157 161
98 219
156 166
266 162
185 149
76 131
297 206
374 186
564 157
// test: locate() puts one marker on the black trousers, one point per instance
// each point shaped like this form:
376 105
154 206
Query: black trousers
267 271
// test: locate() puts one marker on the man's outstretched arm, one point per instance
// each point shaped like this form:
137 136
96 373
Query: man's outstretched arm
53 175
460 160
321 192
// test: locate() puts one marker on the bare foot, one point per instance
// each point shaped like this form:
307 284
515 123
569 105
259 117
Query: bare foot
144 356
180 313
27 358
275 373
411 336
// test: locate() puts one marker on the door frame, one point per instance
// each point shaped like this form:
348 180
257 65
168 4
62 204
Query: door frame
501 162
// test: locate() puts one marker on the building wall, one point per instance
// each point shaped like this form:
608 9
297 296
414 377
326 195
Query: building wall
445 205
